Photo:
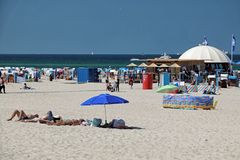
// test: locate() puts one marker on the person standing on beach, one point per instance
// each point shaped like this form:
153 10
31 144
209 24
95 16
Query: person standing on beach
2 85
131 82
107 83
118 81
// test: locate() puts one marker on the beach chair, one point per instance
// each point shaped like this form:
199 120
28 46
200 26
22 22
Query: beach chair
210 89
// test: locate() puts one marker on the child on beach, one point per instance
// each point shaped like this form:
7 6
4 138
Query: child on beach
130 82
25 86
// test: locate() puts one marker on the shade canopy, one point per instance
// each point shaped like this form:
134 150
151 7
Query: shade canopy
131 65
207 53
163 66
175 65
104 99
143 65
152 65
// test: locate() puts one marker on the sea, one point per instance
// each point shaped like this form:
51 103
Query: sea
76 60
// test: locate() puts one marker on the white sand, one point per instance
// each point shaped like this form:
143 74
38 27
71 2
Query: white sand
166 133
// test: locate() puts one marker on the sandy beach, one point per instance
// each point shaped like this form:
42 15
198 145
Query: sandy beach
165 134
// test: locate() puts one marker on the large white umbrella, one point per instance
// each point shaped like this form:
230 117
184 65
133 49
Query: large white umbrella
207 53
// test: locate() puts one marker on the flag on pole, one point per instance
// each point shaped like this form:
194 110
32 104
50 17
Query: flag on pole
233 45
205 42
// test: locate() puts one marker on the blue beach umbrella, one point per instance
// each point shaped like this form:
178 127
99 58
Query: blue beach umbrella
104 99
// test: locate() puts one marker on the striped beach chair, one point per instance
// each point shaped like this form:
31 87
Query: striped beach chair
199 88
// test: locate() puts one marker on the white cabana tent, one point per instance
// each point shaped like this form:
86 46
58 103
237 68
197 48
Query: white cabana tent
207 53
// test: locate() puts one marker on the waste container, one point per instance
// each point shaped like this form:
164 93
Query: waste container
147 81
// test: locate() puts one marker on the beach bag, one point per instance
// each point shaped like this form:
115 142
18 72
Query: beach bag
96 122
118 123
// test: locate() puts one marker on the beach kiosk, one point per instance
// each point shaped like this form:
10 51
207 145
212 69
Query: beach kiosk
85 75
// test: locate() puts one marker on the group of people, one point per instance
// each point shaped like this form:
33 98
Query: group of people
57 120
112 87
115 85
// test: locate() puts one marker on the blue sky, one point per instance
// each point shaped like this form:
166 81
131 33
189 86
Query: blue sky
116 26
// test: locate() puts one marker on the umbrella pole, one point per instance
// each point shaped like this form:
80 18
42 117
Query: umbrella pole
105 114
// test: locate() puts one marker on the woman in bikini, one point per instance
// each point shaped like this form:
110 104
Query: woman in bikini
22 116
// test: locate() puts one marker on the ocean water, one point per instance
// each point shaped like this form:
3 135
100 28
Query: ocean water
73 60
69 60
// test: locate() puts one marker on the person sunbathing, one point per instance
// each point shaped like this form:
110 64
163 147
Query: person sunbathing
22 116
72 122
118 124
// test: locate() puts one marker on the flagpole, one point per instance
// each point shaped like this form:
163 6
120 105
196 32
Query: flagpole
232 51
231 56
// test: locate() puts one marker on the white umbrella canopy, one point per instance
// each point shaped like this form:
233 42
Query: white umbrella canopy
207 53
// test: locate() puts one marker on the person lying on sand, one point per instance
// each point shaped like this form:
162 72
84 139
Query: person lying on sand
118 124
22 116
69 122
